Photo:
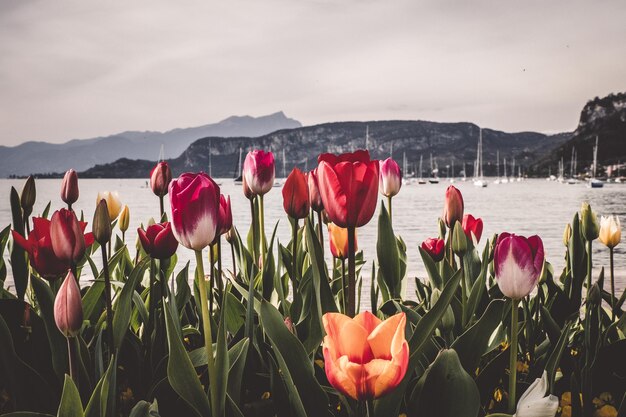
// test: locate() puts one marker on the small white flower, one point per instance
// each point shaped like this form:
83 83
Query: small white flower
535 403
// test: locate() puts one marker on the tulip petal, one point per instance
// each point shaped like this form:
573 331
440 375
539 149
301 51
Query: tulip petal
333 195
516 272
387 337
337 376
383 376
367 320
347 337
535 403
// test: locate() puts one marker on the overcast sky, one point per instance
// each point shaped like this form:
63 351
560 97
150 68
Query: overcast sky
80 69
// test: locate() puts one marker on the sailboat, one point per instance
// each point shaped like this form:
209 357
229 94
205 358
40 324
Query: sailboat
238 178
451 177
434 179
479 180
421 179
504 179
497 181
572 172
405 173
594 182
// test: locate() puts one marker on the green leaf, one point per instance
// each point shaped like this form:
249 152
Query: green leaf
431 269
70 405
19 267
388 257
145 409
181 373
93 295
555 357
237 356
102 401
123 306
222 363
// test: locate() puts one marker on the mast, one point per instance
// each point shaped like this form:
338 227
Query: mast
367 137
595 157
239 163
497 164
284 164
420 167
210 165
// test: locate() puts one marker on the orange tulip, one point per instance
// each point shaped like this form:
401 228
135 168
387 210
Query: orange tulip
365 357
338 237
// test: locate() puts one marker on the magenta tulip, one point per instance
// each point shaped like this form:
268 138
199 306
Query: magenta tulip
259 171
160 178
453 208
518 263
315 199
158 240
69 187
225 216
434 247
68 307
390 178
195 203
66 233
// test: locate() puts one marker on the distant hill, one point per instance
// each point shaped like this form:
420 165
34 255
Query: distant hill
447 142
81 154
604 118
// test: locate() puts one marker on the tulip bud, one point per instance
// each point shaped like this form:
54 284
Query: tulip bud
315 199
160 178
124 220
28 196
453 207
101 225
158 240
435 248
459 240
567 234
114 204
68 307
594 296
296 195
69 187
290 326
390 178
472 227
66 234
518 262
225 216
589 222
338 237
259 170
230 235
610 231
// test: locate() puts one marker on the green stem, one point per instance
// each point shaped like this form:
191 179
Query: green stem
232 253
351 272
71 352
152 305
589 267
513 357
343 284
162 206
262 227
220 283
211 278
107 297
208 341
389 204
463 292
320 233
294 253
612 285
255 236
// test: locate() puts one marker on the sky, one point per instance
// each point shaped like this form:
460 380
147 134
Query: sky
77 69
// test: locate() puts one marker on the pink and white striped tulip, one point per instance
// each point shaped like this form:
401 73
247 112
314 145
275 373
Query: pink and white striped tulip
518 264
259 171
68 307
390 178
195 202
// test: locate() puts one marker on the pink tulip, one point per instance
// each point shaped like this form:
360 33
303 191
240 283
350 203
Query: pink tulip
69 187
195 203
68 307
160 178
259 171
518 263
315 199
225 216
390 178
66 234
453 208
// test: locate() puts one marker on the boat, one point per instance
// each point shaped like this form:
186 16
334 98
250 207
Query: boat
434 179
405 174
504 179
421 179
479 180
238 180
497 181
451 177
572 173
593 181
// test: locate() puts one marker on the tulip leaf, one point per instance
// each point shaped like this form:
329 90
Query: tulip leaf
181 373
70 405
145 409
222 362
237 356
431 269
123 307
294 363
93 296
388 256
19 267
102 401
325 300
555 357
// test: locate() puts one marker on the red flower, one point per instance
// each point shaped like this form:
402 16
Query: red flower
67 234
160 178
158 241
390 178
518 262
471 226
296 195
259 171
348 184
315 199
68 307
69 187
225 216
453 208
434 247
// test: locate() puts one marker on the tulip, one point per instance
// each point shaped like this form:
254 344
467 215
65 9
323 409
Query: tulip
390 179
158 240
611 235
66 233
247 192
589 222
315 199
160 178
472 226
459 240
101 223
28 196
225 216
68 307
435 248
364 357
69 188
195 203
124 221
535 403
114 204
338 237
259 171
296 195
453 207
567 234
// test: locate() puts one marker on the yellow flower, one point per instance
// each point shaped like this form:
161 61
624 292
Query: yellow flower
124 219
606 411
610 231
114 204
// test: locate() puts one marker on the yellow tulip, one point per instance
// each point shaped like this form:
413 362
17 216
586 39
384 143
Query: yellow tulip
124 219
114 204
610 231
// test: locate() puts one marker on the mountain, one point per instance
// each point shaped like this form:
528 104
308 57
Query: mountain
81 154
604 118
446 142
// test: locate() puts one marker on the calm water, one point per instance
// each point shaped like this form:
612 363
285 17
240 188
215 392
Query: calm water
528 207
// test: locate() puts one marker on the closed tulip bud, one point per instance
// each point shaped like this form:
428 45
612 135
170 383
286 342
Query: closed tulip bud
296 195
390 178
259 170
594 296
158 240
453 207
101 225
364 357
124 221
315 199
247 191
435 248
66 234
610 231
518 263
338 237
69 187
114 204
459 240
472 227
68 307
28 196
589 222
160 178
567 234
230 235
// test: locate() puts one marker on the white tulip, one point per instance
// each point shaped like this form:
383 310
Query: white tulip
535 403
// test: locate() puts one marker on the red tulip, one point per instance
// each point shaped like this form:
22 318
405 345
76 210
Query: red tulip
195 202
67 235
296 195
472 226
518 263
68 307
390 178
160 178
364 357
453 208
158 240
348 184
315 199
338 238
259 171
39 249
435 248
69 187
225 216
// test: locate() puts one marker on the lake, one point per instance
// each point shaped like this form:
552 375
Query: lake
533 206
